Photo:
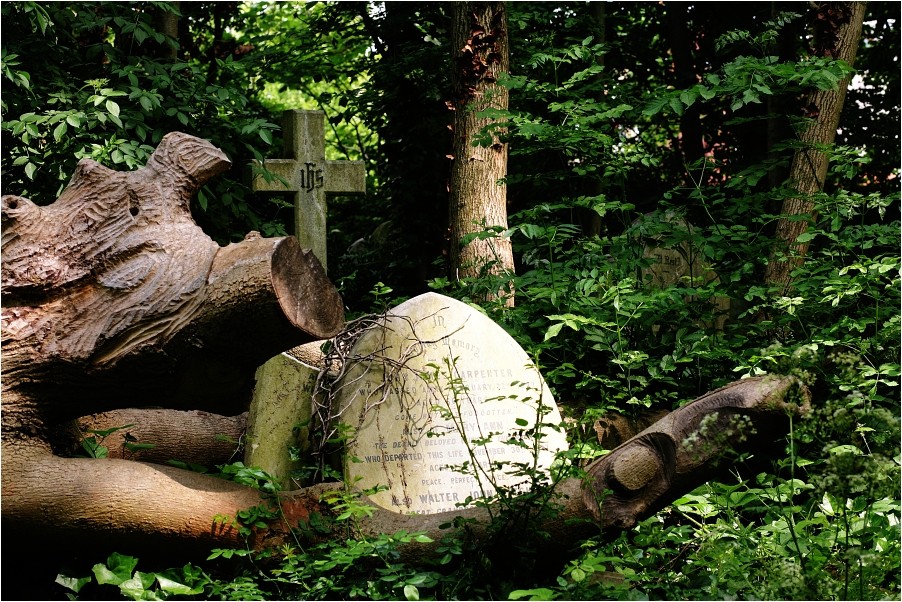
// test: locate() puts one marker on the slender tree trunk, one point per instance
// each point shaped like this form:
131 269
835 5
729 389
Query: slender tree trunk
685 74
168 24
840 32
599 12
478 198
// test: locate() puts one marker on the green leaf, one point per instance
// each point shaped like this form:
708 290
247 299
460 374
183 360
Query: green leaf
71 582
93 448
553 330
146 103
60 131
137 588
137 446
542 593
30 169
266 135
174 587
687 97
110 431
118 567
845 449
105 575
411 592
654 107
112 108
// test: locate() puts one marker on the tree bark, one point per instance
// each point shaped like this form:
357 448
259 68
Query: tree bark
168 24
840 32
478 196
214 439
114 298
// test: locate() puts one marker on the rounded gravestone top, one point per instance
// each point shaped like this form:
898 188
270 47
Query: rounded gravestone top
443 405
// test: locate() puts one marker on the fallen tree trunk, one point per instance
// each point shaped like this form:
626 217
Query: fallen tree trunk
116 498
114 299
643 475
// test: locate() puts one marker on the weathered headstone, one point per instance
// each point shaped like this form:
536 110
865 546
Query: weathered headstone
278 416
678 263
681 264
310 177
441 402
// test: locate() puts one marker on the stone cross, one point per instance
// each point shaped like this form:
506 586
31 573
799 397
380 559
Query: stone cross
310 177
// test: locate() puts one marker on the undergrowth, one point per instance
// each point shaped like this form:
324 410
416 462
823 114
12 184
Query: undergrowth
817 518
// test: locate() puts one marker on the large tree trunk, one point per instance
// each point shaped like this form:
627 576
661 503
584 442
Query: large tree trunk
114 298
839 26
478 197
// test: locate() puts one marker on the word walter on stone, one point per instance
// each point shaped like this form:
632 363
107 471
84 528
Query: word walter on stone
310 177
443 405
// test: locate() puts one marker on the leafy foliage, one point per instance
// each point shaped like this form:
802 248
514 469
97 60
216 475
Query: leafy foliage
631 132
99 84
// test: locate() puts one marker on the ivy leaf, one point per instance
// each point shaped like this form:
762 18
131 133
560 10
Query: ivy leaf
118 568
71 582
688 97
174 587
